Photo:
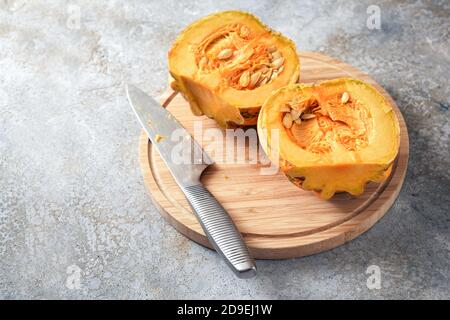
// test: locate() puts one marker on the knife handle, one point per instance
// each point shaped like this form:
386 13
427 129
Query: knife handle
221 231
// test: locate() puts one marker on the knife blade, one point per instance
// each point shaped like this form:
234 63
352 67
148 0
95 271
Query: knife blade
186 161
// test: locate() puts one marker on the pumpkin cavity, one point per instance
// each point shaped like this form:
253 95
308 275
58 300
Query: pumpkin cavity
318 126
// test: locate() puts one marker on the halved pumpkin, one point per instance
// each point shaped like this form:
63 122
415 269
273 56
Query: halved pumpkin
331 137
227 64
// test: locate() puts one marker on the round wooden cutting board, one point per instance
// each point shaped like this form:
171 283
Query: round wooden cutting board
276 219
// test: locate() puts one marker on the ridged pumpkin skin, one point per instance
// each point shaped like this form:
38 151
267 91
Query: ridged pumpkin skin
342 146
213 59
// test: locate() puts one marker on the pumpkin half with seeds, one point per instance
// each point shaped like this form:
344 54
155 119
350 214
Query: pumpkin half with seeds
227 64
331 137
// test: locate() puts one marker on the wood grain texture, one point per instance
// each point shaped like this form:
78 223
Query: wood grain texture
277 219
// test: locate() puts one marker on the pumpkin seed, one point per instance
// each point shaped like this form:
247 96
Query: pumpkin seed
244 79
298 121
287 120
225 54
276 55
345 97
295 114
269 74
281 69
271 49
285 109
307 116
262 82
274 75
254 78
277 63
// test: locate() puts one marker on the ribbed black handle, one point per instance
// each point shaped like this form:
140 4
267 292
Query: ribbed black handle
221 231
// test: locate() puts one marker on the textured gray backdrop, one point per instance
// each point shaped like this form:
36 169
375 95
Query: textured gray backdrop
72 200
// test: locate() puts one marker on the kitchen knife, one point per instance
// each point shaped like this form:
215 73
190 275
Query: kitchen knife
168 136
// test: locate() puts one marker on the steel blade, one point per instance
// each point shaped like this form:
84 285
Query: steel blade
184 157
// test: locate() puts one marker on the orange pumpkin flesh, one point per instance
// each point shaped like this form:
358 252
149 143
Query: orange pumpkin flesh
337 146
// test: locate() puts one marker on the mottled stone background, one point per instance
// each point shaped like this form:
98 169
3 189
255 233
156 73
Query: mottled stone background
71 192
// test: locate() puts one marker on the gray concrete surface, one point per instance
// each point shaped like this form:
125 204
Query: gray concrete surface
72 200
